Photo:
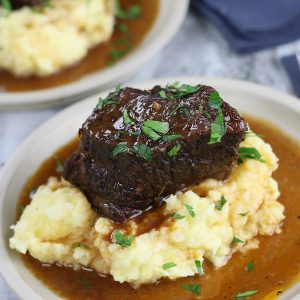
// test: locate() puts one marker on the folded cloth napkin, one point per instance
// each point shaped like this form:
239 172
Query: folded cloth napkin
252 25
292 67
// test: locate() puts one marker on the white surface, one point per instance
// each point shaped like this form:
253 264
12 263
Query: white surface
170 17
282 109
197 49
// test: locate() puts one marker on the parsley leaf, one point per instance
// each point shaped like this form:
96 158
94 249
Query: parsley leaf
199 267
106 101
251 153
150 133
131 13
243 295
143 151
219 205
84 283
173 137
236 240
123 240
126 118
76 245
250 266
152 127
109 100
244 214
120 148
181 90
177 216
174 150
190 210
215 100
6 5
122 27
163 94
184 109
218 129
158 126
194 288
168 265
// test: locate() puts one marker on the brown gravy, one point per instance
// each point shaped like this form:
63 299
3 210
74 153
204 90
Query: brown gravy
97 59
277 261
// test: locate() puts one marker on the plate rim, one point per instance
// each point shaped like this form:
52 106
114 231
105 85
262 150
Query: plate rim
87 85
239 86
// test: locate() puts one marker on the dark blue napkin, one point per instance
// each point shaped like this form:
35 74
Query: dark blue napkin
252 25
292 67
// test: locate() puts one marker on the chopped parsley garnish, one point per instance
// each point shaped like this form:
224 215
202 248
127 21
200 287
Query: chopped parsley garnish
237 240
109 100
123 240
174 150
6 6
244 295
181 90
207 115
150 133
251 153
59 167
131 13
163 94
84 283
173 137
120 148
116 54
126 118
152 128
168 265
143 151
122 27
244 214
177 216
250 266
80 245
219 204
194 288
218 129
199 267
190 210
158 126
184 109
200 108
215 100
139 149
106 101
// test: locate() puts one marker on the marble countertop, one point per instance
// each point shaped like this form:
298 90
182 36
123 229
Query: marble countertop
197 49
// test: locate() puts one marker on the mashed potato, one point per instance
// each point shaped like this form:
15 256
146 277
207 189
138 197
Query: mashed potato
58 225
42 43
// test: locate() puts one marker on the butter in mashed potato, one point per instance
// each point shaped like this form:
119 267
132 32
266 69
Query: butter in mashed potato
42 43
60 215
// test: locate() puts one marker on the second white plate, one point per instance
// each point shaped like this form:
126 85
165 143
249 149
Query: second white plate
170 17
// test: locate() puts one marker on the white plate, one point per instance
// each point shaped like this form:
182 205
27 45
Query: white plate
281 109
170 17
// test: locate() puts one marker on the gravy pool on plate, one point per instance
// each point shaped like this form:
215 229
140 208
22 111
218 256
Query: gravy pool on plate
121 43
276 262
